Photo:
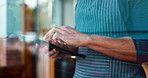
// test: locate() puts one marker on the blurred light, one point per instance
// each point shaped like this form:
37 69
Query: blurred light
73 57
29 37
42 1
31 3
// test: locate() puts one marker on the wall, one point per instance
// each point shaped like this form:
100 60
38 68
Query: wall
10 26
10 21
68 13
3 19
63 13
14 17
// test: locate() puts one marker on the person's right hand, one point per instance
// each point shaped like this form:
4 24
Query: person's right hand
51 37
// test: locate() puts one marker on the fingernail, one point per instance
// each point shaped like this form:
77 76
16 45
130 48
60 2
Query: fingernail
54 49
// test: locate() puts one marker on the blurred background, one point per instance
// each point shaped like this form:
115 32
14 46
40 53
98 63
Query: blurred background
22 22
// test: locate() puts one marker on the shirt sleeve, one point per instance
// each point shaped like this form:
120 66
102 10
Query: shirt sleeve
140 26
142 50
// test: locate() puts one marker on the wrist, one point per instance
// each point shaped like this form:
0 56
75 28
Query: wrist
92 39
86 40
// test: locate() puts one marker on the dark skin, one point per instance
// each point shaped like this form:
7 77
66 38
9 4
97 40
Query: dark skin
120 48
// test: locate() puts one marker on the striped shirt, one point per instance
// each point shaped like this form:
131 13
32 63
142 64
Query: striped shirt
113 18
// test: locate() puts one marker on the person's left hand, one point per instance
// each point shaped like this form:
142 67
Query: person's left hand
67 34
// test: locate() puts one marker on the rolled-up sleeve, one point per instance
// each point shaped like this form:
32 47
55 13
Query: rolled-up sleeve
140 26
142 50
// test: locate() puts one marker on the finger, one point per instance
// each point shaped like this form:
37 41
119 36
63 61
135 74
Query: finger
57 36
49 34
52 32
52 52
55 55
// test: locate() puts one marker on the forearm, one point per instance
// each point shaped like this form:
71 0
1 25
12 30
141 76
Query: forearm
120 48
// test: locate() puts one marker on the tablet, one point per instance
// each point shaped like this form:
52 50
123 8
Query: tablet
64 50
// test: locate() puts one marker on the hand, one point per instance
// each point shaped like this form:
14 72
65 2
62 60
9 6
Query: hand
69 35
54 53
